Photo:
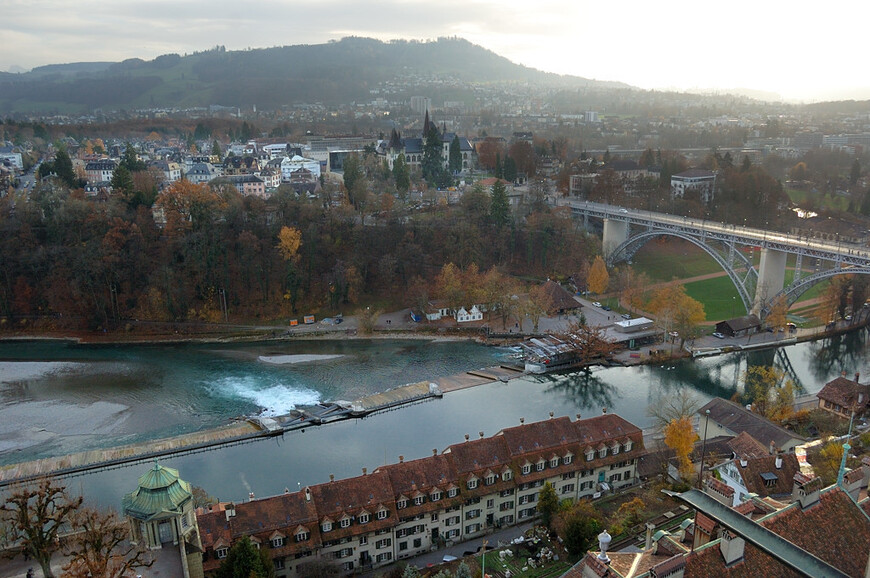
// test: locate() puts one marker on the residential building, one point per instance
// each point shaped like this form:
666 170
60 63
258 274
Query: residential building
843 396
201 173
729 418
751 469
8 153
296 163
171 171
100 171
248 185
406 508
695 183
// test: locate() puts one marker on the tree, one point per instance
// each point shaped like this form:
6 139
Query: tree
36 514
216 149
855 173
131 161
538 304
590 342
463 571
353 179
680 436
769 391
674 310
454 161
548 504
598 278
578 527
63 168
499 205
777 316
410 571
669 406
122 182
631 512
201 498
100 547
366 319
432 165
289 241
244 560
401 175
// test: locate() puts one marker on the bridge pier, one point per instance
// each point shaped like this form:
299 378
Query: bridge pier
615 234
771 277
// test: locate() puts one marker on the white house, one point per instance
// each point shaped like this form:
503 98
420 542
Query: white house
694 181
292 164
463 316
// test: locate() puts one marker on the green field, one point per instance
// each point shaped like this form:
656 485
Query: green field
799 197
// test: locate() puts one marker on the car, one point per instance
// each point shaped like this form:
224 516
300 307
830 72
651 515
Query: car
596 304
623 210
626 316
606 308
848 318
718 335
674 334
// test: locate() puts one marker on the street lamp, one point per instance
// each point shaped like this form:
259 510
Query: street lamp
703 447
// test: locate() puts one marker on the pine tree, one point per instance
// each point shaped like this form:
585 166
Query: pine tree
455 159
401 175
432 164
499 205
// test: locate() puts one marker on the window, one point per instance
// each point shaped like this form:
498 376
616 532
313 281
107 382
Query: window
527 468
401 533
278 541
344 553
434 517
184 521
505 506
567 459
507 475
472 501
540 466
278 563
386 542
435 496
302 536
472 483
590 455
363 540
567 489
344 522
452 521
568 475
526 513
451 493
627 445
490 480
403 546
347 566
554 463
490 503
614 449
451 534
304 554
401 504
418 542
507 492
326 527
506 520
364 518
472 528
382 514
471 514
602 453
418 501
384 557
222 552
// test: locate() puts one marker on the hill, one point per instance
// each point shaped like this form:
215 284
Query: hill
333 73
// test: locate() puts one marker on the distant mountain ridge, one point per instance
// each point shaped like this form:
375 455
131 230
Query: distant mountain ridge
332 73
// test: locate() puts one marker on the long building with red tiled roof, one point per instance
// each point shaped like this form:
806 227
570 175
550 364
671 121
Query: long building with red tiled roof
404 509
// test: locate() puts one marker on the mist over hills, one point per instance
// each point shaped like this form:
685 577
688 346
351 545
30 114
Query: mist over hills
332 73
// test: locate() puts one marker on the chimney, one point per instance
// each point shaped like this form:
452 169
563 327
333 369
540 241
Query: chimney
522 420
307 495
250 496
481 434
401 459
772 448
603 410
286 490
857 375
230 511
578 417
649 534
806 490
365 471
434 451
731 546
551 415
778 462
331 478
466 437
743 462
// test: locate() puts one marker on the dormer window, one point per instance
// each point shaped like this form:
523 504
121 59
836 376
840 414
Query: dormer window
627 446
602 452
277 541
472 483
326 527
222 552
507 475
567 459
402 503
418 501
452 492
540 465
302 535
364 518
554 462
527 468
344 522
490 479
590 454
382 514
614 449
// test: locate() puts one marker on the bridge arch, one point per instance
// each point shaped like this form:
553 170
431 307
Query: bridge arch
798 288
627 249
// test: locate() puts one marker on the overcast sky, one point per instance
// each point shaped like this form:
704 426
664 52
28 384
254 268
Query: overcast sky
798 49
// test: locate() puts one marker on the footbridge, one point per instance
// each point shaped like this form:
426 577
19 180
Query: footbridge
816 259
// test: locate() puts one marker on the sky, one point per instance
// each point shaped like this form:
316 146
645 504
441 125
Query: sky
799 50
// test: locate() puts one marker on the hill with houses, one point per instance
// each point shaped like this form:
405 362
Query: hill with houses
349 70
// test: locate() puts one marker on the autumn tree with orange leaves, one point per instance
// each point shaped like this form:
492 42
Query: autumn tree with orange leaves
680 436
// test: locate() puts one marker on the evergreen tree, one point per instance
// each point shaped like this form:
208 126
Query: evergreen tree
455 159
510 169
353 178
548 504
402 176
122 181
499 205
63 168
431 163
216 149
131 161
499 167
855 174
245 561
747 164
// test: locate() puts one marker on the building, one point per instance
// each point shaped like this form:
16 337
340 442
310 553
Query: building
100 171
296 163
740 326
248 185
843 396
694 183
559 301
406 508
201 173
752 469
420 104
8 153
729 418
160 512
171 171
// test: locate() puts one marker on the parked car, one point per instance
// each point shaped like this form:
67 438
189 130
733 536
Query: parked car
718 335
606 307
626 316
596 304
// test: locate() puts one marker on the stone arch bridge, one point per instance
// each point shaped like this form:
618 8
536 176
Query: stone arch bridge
625 231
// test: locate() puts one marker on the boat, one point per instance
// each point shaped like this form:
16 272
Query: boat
550 353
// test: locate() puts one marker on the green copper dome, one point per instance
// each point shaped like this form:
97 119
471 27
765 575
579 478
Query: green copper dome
160 492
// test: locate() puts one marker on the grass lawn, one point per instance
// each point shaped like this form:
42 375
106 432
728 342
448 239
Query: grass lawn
719 297
663 260
799 197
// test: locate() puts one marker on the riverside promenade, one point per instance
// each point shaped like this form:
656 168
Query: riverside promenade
252 428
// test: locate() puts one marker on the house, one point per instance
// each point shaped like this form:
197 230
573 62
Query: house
559 301
171 171
100 171
729 418
201 173
8 153
409 507
843 396
699 184
739 326
296 163
248 185
271 177
756 472
464 316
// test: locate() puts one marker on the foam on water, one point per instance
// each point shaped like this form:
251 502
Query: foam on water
272 398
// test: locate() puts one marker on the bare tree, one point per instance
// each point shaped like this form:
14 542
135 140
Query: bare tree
37 514
665 408
101 546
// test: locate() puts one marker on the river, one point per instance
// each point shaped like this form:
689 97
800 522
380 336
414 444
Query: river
59 397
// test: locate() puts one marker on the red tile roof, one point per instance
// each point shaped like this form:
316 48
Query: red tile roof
845 393
746 446
756 470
